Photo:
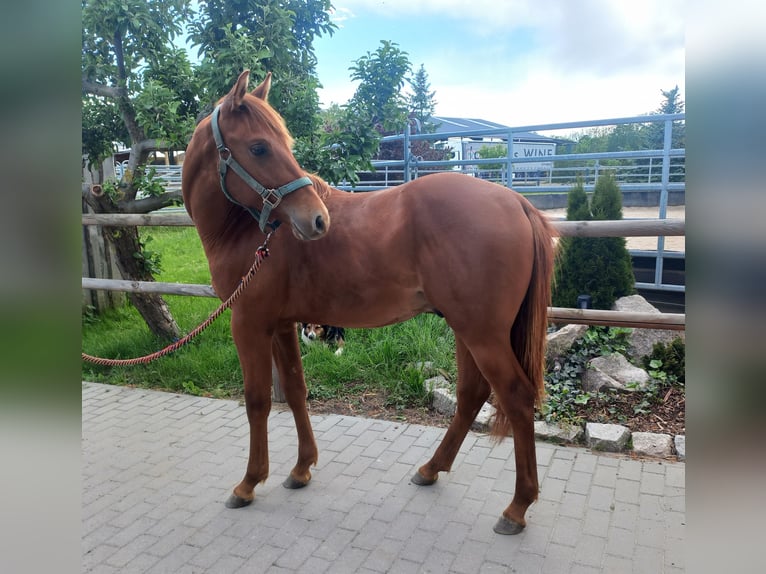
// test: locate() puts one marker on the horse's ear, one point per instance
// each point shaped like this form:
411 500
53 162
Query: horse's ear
237 93
262 90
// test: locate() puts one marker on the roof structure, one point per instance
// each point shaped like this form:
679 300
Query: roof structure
458 125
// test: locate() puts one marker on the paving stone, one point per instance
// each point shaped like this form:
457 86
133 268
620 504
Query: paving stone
157 468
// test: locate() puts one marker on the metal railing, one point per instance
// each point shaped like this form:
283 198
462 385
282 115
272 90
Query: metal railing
659 171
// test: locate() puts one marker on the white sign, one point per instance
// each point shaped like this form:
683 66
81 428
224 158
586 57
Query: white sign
521 150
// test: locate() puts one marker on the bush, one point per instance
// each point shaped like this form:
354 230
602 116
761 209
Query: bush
597 266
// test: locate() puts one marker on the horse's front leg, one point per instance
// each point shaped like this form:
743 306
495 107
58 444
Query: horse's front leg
288 358
254 349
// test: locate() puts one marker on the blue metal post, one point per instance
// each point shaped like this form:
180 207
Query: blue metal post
663 198
509 161
407 152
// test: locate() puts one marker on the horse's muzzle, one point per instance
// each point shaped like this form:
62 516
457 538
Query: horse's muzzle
312 227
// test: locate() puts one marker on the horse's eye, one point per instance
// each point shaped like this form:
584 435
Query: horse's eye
258 149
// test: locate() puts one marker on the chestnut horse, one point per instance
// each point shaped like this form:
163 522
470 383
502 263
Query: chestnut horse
474 252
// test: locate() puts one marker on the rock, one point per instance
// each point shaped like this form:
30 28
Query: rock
641 341
483 420
613 371
609 438
559 342
680 443
444 401
556 433
437 382
652 444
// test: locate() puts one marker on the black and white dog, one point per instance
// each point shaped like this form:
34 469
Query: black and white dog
311 333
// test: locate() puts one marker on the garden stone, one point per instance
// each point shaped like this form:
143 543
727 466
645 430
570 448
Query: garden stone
437 382
609 438
680 441
483 420
652 444
613 371
559 342
557 433
444 401
641 341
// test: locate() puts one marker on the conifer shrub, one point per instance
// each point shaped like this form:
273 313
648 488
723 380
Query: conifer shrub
597 266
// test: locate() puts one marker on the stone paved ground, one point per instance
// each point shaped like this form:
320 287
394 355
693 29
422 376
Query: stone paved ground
157 468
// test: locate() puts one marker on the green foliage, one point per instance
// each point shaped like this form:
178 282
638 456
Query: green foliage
384 358
670 360
421 102
342 146
150 260
264 35
491 151
606 204
597 266
381 77
563 385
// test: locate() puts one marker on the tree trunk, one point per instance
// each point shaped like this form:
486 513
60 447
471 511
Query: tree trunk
151 306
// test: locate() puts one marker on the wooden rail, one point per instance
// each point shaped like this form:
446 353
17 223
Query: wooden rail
623 228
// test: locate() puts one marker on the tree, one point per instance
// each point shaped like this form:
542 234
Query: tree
131 70
597 266
262 36
127 58
421 102
381 77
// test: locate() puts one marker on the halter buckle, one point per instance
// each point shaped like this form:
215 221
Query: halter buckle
267 196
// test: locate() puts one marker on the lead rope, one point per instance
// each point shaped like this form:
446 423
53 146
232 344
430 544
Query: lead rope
260 254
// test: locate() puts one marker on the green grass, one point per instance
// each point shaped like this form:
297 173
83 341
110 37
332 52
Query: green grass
385 358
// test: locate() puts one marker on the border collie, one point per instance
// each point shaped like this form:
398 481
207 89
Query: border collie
311 332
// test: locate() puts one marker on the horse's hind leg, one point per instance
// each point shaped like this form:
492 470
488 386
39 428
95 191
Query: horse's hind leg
515 397
472 391
287 355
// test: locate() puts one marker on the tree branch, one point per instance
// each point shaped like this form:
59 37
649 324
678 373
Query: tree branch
139 151
152 203
97 89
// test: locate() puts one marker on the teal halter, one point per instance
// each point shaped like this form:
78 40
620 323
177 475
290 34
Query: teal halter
271 197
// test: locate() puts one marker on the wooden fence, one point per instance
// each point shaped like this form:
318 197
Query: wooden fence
622 228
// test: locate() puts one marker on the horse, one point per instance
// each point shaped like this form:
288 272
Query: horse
476 253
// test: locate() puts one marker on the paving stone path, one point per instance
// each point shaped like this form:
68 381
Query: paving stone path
157 468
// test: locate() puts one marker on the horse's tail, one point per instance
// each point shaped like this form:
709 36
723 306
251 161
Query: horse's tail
530 328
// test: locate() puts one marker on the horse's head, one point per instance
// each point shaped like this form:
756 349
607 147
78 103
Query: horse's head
254 143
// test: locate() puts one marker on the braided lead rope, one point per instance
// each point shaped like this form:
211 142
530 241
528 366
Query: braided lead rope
260 254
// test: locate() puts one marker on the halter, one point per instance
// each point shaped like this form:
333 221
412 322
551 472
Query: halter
271 197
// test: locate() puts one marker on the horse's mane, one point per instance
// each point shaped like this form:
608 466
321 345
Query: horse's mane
321 186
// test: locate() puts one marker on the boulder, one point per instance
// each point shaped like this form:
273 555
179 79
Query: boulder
483 420
652 444
641 341
444 401
557 433
680 443
613 371
559 342
608 438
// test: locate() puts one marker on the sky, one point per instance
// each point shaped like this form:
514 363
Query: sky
518 62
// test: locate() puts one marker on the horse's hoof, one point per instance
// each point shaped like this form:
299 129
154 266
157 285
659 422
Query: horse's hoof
293 484
420 480
235 501
505 526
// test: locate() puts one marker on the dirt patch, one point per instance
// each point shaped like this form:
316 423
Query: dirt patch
666 416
